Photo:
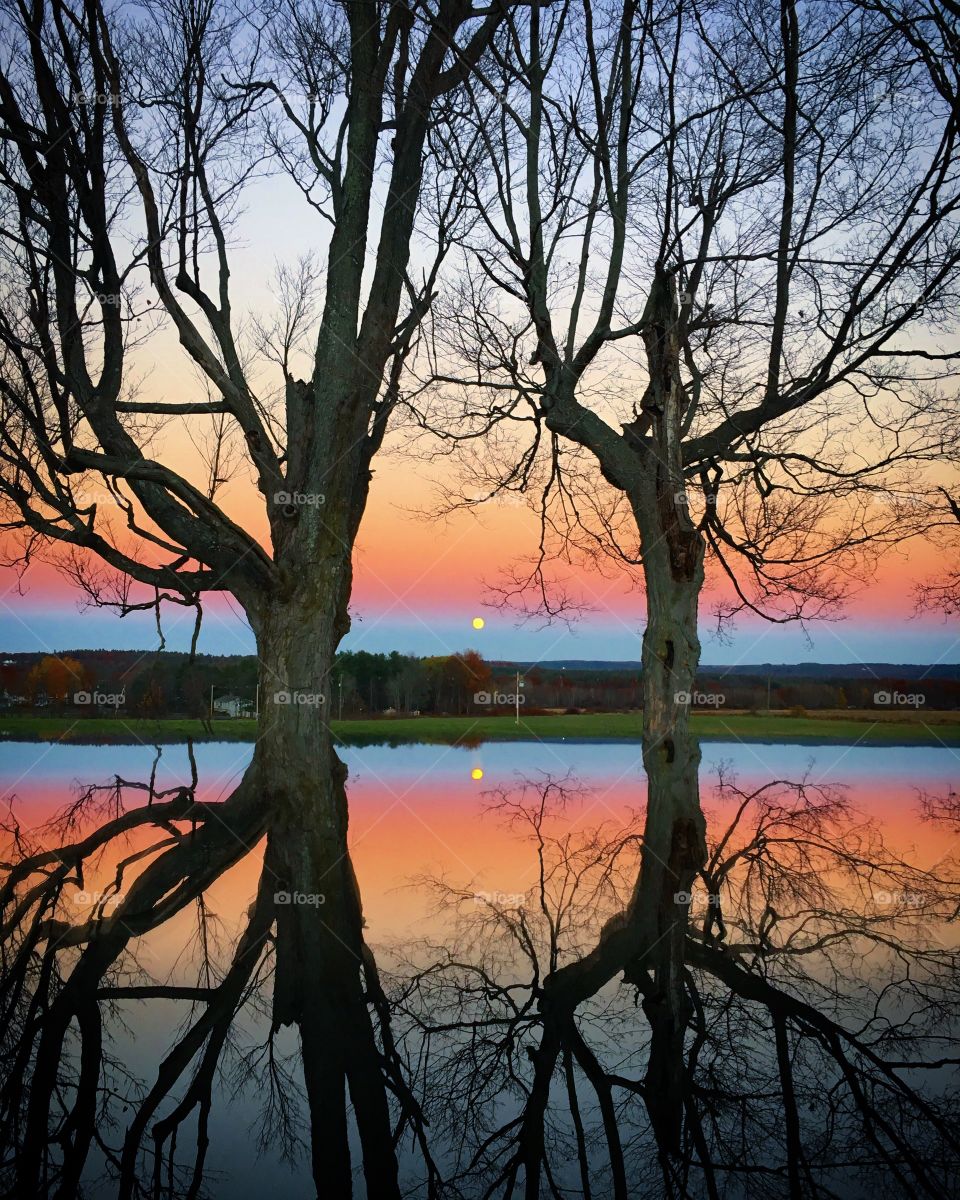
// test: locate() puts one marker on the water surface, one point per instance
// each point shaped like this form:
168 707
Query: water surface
421 813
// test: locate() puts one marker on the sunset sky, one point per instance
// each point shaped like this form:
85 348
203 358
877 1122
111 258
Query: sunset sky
420 583
418 811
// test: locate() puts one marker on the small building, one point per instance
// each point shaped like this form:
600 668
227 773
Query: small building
232 706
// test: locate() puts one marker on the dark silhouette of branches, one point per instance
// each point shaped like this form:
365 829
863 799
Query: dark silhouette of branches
131 141
821 1011
706 321
70 970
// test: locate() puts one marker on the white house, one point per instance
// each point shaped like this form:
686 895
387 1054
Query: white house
233 706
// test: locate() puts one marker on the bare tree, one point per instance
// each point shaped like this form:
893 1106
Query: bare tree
130 141
76 957
942 593
822 1012
706 316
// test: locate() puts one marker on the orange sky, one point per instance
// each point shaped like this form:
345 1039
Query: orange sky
419 582
425 815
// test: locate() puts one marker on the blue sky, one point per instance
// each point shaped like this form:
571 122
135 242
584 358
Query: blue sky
25 626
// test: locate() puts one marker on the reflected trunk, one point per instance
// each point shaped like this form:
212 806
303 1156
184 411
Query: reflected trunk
294 793
782 1081
318 985
674 845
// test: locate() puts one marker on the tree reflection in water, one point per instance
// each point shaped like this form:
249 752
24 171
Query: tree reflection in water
509 1056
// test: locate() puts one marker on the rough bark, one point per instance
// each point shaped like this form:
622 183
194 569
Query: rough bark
674 847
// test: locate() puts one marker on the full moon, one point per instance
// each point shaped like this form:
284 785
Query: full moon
476 773
478 622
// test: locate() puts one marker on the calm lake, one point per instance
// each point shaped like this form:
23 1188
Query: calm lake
419 815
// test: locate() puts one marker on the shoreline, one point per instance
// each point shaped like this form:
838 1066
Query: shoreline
828 728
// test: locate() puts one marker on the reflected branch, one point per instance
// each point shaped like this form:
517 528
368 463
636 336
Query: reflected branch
820 983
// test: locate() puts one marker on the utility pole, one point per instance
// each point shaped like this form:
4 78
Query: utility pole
768 693
517 697
211 701
256 704
340 706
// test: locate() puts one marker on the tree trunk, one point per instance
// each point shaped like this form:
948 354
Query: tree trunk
674 847
318 983
674 836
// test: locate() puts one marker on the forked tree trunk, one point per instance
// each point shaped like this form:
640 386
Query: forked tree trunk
647 940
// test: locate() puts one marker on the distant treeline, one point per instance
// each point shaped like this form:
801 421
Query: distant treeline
171 684
89 682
